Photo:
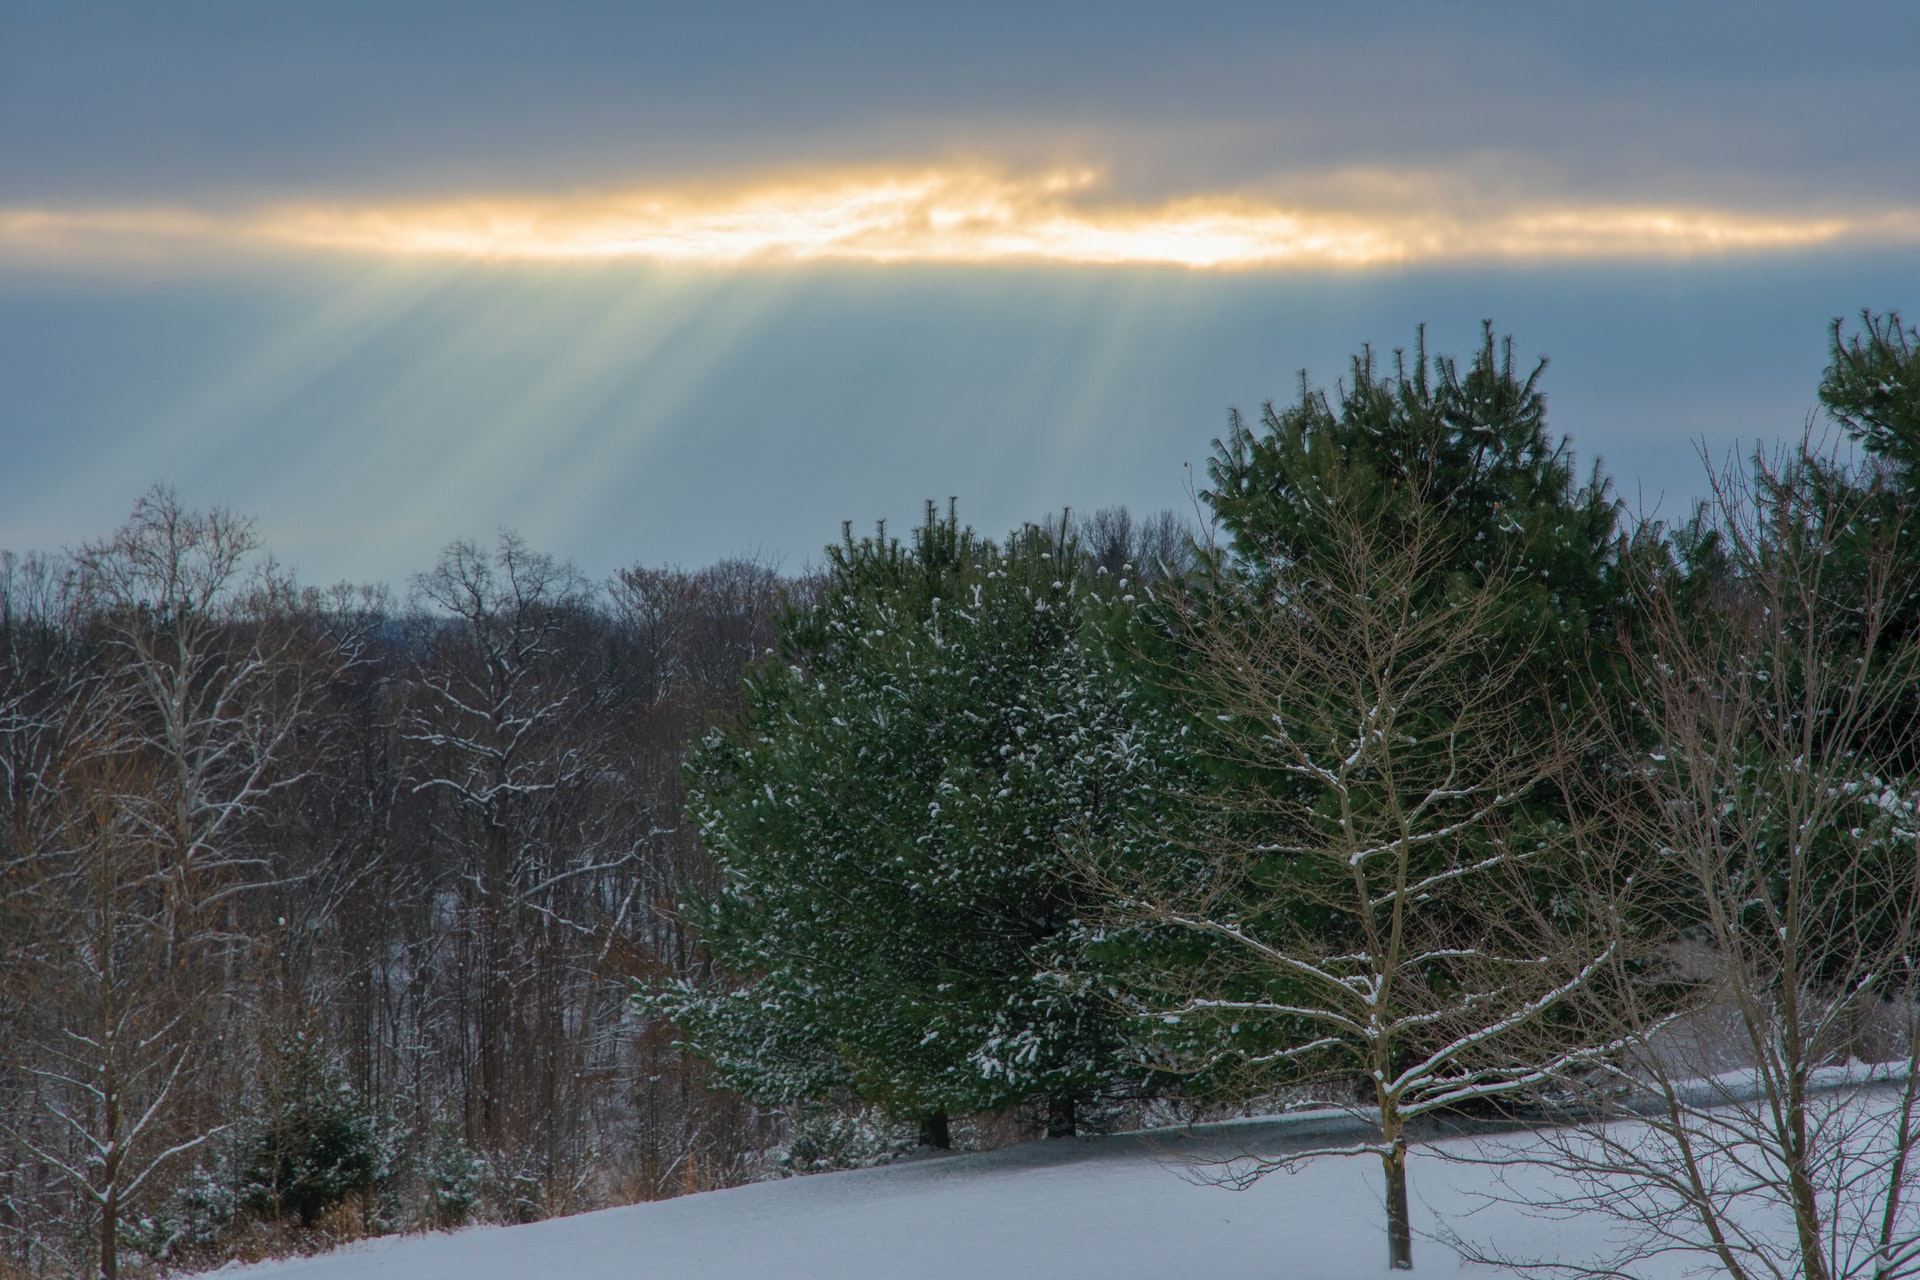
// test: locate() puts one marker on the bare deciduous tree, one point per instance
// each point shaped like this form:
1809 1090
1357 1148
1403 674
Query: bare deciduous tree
438 842
208 683
128 928
1758 854
1363 884
1122 545
112 984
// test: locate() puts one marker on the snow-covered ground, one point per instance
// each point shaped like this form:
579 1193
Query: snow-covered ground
1106 1207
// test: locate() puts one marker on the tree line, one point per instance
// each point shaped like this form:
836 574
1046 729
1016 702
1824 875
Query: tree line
320 909
1421 780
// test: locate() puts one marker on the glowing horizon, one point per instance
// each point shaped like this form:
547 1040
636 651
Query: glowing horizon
940 215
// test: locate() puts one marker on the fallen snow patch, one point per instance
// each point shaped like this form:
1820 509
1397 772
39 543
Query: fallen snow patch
1103 1208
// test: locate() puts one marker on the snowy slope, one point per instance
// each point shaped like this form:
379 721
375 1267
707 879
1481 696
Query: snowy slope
1107 1208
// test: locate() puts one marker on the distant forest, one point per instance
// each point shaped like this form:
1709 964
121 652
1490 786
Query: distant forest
1418 778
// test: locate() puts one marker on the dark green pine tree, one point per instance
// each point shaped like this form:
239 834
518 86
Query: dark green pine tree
892 827
1871 390
1864 510
1859 519
1471 447
1473 444
315 1143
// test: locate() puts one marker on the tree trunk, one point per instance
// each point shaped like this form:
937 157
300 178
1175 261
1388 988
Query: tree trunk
935 1132
1806 1207
1399 1221
110 1235
1061 1117
112 1164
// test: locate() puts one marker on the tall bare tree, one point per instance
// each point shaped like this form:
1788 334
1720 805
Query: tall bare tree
511 747
192 625
114 968
1758 854
130 923
1362 879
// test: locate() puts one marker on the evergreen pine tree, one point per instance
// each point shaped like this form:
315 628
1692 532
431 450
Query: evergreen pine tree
891 825
315 1144
1871 390
1474 446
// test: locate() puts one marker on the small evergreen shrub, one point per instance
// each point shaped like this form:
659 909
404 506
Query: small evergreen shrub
823 1139
317 1144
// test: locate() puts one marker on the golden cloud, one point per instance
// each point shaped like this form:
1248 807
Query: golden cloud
953 214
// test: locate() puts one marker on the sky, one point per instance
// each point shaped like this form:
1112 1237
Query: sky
663 284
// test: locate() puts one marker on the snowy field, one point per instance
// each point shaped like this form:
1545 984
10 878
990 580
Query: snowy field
1103 1207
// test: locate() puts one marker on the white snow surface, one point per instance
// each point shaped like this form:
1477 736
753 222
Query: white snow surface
1105 1208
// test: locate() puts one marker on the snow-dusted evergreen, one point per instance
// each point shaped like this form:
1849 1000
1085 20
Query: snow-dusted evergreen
892 827
1767 815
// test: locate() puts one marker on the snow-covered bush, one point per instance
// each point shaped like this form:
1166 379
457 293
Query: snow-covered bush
315 1145
452 1174
192 1223
822 1139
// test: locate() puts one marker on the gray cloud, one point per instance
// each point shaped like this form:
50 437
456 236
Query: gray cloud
1632 100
